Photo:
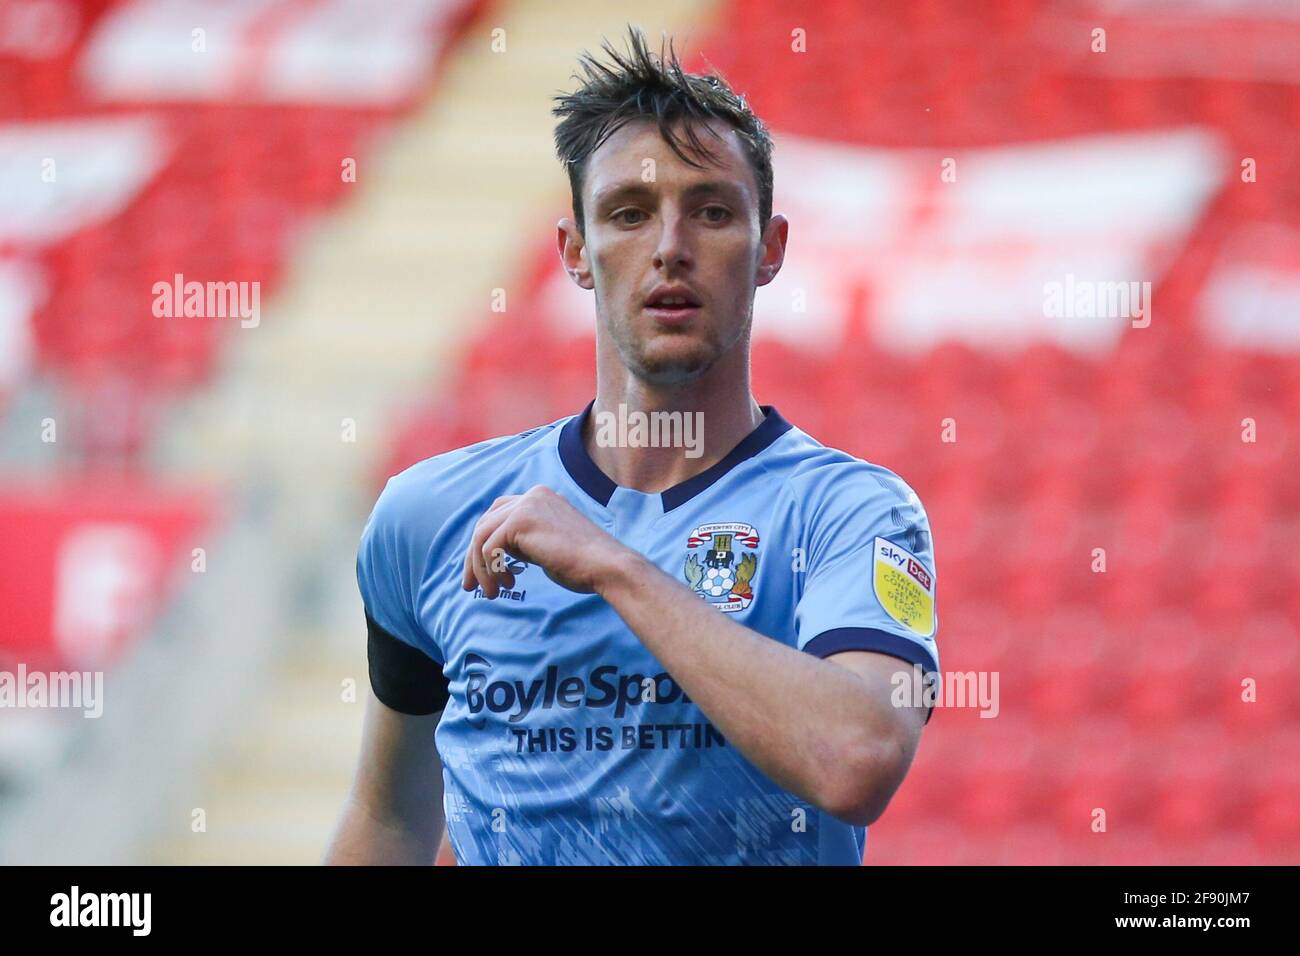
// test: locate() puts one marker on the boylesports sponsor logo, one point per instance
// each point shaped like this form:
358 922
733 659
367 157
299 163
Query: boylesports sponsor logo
602 686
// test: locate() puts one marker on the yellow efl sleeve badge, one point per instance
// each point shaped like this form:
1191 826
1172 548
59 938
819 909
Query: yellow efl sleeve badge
904 587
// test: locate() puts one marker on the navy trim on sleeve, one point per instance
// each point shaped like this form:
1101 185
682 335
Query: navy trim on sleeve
404 678
870 639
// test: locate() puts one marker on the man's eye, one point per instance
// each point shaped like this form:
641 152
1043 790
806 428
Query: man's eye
723 210
624 212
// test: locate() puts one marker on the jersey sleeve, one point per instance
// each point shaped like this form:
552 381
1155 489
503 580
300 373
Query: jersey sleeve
870 575
405 664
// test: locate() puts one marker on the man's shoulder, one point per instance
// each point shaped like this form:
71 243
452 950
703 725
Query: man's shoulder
488 456
844 500
822 477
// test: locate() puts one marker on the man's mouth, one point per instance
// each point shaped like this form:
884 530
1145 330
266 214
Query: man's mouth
672 314
672 306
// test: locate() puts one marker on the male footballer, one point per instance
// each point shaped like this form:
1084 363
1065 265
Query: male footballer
586 647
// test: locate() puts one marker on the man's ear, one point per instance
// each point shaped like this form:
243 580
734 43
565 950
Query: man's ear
573 252
772 250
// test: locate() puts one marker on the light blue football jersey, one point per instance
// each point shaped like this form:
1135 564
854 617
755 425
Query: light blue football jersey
564 741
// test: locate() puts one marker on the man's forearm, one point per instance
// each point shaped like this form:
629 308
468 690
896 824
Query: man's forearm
808 724
366 838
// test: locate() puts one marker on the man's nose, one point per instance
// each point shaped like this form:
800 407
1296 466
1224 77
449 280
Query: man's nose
673 251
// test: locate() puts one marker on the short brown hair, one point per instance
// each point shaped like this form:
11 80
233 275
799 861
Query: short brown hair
643 85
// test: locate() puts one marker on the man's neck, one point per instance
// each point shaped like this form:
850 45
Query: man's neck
710 420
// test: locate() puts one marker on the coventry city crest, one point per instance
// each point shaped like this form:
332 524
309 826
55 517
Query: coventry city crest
723 577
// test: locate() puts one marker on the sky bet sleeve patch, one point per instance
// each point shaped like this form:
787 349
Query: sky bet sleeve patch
904 587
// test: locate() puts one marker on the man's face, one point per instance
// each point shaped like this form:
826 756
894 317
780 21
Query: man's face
651 221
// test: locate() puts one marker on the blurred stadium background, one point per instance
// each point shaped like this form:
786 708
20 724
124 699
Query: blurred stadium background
144 138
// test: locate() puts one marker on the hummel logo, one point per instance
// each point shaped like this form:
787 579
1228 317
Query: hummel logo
503 594
515 567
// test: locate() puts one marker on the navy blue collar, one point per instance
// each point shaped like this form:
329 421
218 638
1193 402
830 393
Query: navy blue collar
597 484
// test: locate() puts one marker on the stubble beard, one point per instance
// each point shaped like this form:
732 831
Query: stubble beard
676 370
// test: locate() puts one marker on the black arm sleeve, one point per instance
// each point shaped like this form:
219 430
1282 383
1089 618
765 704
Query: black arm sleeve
405 679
